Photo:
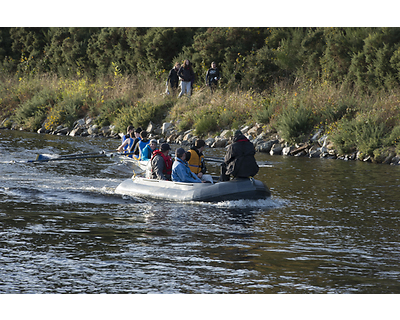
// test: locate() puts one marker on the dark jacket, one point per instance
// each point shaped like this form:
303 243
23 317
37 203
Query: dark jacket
239 158
173 78
186 74
212 73
161 166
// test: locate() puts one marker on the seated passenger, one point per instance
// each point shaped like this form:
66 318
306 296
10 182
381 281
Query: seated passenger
195 159
126 144
141 144
148 150
128 134
180 169
161 163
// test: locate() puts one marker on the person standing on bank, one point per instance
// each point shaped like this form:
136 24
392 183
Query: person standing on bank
161 163
173 78
239 160
212 77
186 74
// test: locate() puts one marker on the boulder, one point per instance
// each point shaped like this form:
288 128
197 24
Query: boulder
254 131
151 127
106 131
287 150
209 141
219 143
166 128
266 146
76 132
276 149
80 122
315 153
93 129
226 134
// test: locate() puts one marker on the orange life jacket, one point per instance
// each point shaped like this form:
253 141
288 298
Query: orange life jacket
195 161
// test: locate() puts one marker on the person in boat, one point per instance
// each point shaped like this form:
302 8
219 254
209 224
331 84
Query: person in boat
180 169
136 138
143 142
148 150
126 145
195 159
161 163
239 160
129 131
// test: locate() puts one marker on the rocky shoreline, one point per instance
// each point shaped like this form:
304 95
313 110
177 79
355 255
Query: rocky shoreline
266 141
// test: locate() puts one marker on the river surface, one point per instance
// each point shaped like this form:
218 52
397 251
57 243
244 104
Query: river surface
330 226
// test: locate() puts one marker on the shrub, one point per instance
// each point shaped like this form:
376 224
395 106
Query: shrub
205 124
140 114
65 113
294 122
267 110
363 133
32 113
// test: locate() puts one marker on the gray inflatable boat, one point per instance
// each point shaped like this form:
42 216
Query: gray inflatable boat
179 191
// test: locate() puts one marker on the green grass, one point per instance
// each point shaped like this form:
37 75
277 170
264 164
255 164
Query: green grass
354 121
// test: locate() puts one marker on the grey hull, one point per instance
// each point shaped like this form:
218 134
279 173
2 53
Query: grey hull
178 191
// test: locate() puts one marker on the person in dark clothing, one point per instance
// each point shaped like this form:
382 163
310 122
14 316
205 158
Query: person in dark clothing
186 74
239 160
136 140
173 78
212 77
161 163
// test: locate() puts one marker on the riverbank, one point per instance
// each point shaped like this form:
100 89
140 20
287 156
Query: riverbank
305 119
318 145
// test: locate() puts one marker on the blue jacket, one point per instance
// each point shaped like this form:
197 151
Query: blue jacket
146 153
181 172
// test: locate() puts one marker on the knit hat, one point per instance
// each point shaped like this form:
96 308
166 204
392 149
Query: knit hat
199 143
238 133
165 147
179 152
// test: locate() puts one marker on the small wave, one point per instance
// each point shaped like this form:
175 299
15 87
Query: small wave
267 203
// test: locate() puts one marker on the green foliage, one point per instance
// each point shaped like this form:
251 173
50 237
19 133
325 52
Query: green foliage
205 124
32 113
364 133
255 58
264 115
393 138
108 111
140 114
294 122
65 112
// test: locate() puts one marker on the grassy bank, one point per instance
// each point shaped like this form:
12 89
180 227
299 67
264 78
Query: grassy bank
353 120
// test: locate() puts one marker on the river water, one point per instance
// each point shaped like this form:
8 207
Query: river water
330 226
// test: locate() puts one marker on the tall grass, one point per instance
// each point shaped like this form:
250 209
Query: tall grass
352 119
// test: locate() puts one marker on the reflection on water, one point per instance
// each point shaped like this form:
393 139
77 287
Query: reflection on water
330 227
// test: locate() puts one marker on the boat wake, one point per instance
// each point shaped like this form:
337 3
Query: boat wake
268 203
